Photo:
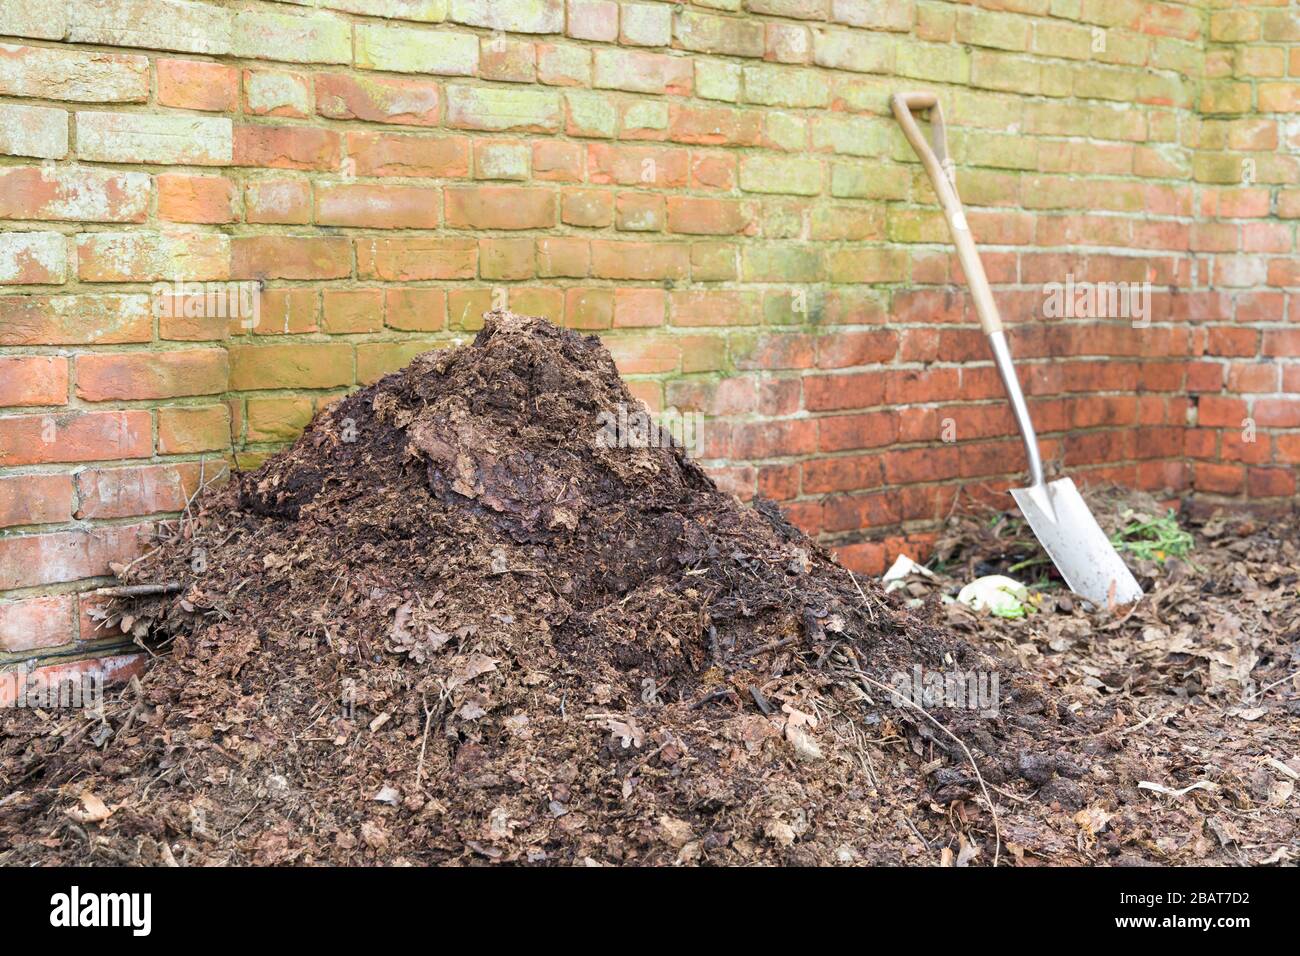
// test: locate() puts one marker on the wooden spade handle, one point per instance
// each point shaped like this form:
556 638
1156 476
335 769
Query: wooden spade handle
939 167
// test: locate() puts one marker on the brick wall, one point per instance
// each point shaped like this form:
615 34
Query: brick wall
717 188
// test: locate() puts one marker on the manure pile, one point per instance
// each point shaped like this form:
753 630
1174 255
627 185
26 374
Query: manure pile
450 625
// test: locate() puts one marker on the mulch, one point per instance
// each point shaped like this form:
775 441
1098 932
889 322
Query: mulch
455 625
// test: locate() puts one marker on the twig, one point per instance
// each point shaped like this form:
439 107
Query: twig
138 590
1268 687
771 646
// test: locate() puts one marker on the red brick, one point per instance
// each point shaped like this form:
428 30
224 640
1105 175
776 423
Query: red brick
74 436
415 310
186 429
412 259
33 380
128 492
288 147
500 207
368 206
353 310
846 473
290 257
150 375
73 193
409 154
204 199
197 85
35 623
35 499
866 430
378 99
278 201
29 560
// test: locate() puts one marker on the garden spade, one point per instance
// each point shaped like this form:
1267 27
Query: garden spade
1055 510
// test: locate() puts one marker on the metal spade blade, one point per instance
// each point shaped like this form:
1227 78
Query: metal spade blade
1070 535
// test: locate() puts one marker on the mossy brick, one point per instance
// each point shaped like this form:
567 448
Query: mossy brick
417 309
589 309
278 93
181 139
529 299
987 28
645 24
851 50
320 38
645 119
1102 83
592 115
636 71
1055 38
868 264
781 262
506 59
277 419
401 49
792 175
708 33
851 135
715 261
493 109
154 24
563 64
929 61
785 131
413 258
1225 96
422 11
515 16
778 85
188 429
1011 74
869 181
298 365
717 80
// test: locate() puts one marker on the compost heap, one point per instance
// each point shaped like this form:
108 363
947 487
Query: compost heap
450 625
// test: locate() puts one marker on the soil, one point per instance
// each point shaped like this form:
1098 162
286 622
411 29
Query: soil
455 625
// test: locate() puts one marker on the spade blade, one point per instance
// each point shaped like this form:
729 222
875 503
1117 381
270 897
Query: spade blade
1070 535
